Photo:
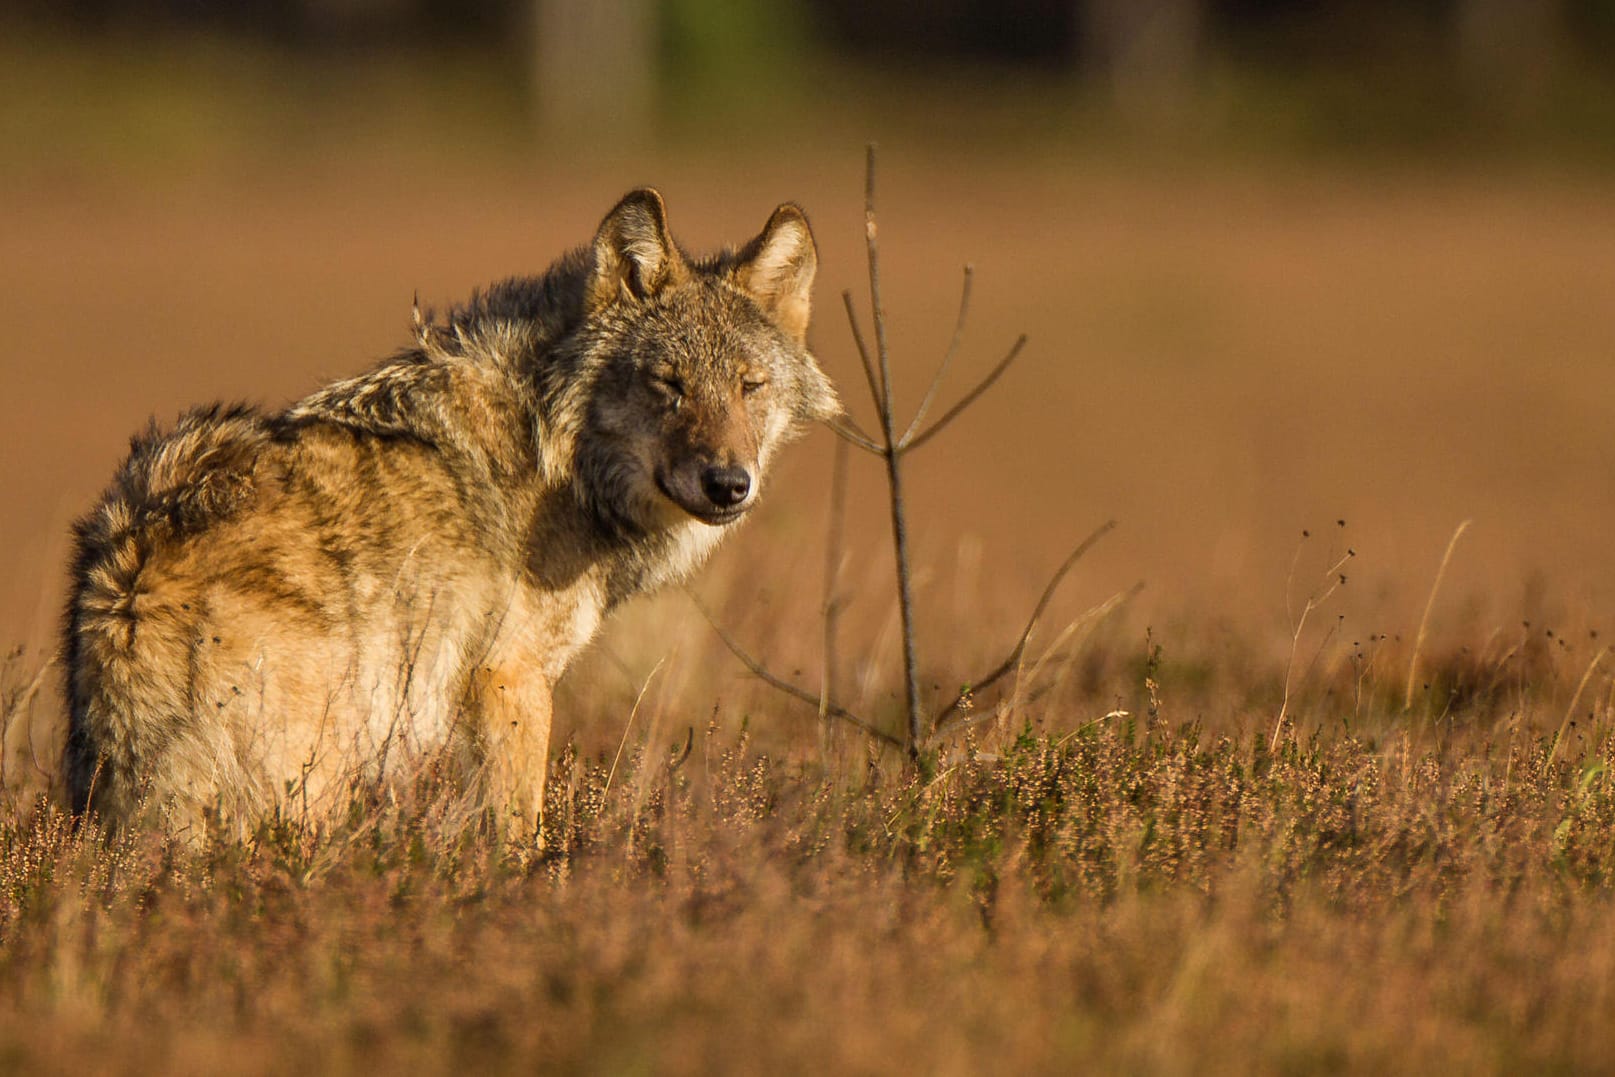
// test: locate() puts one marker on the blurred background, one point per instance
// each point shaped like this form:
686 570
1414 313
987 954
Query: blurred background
1286 265
199 78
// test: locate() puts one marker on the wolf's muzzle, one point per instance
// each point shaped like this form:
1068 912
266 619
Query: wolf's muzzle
726 487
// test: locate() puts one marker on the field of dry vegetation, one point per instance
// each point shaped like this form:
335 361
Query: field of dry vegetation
1133 893
1126 860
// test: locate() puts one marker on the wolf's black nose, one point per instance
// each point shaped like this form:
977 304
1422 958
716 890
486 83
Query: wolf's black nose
725 487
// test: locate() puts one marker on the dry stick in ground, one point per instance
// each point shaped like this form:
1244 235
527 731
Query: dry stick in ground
892 447
883 395
831 608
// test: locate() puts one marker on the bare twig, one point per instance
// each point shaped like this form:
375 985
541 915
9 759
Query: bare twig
845 426
870 377
968 399
831 609
849 432
676 760
877 309
894 475
947 359
1083 623
1025 690
957 705
762 673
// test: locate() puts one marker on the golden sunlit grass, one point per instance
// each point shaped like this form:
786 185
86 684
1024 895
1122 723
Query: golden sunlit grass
1101 877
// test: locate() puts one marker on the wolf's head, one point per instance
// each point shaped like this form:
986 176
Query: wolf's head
698 369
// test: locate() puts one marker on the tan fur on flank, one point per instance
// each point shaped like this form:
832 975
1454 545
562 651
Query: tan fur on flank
273 606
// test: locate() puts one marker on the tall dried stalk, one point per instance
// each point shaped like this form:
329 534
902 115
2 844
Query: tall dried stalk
1424 622
1335 581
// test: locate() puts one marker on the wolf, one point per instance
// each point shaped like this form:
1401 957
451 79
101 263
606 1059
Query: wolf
268 607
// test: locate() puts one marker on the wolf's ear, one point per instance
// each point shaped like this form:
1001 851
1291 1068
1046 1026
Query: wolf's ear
633 250
777 269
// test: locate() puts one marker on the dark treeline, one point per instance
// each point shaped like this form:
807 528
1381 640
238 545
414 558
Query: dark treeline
1324 72
1068 34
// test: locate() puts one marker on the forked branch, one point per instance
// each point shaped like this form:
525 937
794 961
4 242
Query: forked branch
871 378
968 399
947 359
848 431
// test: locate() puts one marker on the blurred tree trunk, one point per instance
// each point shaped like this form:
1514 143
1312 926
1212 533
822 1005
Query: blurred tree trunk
594 67
1508 49
1145 53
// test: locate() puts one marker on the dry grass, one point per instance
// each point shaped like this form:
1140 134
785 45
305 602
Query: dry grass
1122 894
1116 871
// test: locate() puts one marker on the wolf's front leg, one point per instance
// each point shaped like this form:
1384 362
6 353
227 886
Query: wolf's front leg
513 706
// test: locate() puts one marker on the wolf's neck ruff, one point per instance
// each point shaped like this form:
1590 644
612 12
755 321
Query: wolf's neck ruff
273 605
